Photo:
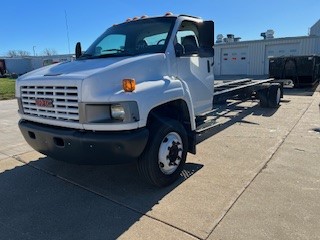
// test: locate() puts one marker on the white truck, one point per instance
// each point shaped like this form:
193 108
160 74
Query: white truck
136 94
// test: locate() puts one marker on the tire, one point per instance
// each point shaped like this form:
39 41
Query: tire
165 154
263 97
274 95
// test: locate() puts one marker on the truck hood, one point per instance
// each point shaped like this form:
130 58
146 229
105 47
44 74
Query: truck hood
82 69
99 80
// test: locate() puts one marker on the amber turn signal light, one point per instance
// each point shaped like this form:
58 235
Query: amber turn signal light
129 85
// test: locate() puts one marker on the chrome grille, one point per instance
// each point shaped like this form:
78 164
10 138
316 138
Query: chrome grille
65 102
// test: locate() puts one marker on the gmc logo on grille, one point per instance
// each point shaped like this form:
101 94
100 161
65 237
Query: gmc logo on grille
44 102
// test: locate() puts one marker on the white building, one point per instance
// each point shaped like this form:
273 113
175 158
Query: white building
234 57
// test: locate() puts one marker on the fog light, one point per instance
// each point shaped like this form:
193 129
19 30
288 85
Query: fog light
117 112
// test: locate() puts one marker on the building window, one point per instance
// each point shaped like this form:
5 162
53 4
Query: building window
243 58
225 54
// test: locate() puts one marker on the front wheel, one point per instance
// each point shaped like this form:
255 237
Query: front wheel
165 154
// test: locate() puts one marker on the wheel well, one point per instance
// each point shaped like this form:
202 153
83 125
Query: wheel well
177 110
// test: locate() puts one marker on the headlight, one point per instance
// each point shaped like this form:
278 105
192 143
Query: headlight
117 112
124 112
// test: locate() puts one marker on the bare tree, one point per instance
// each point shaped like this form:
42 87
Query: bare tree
23 53
12 53
16 53
49 52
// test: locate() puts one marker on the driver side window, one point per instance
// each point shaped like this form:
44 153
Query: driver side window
187 39
158 39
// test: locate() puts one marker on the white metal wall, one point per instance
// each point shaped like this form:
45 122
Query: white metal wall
258 52
22 65
278 50
18 65
315 29
234 61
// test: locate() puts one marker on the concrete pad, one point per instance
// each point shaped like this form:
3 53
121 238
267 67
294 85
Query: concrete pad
37 205
253 121
283 200
232 158
213 187
10 149
210 184
12 233
8 164
11 140
3 156
146 229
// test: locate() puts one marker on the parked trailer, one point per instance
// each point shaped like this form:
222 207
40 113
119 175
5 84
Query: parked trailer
304 71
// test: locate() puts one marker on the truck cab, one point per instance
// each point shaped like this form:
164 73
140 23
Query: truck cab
133 95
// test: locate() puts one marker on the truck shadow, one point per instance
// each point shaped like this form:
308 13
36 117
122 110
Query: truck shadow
48 199
306 91
232 113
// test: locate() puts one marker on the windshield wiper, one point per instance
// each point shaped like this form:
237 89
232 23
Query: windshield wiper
113 50
118 53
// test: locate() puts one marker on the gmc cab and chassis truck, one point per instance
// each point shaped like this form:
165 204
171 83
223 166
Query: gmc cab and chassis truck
136 94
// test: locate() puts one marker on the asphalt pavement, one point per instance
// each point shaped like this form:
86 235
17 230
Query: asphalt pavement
256 175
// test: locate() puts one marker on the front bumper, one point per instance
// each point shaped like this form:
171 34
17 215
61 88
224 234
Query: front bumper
85 147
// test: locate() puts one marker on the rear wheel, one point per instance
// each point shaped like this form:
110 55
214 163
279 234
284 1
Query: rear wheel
165 154
274 95
263 97
270 96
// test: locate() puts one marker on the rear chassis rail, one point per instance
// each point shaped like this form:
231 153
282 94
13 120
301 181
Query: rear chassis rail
244 88
241 89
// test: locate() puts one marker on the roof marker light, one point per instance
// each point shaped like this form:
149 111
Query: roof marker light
144 16
135 18
129 20
168 14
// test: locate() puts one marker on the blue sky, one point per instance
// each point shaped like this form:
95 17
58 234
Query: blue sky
25 24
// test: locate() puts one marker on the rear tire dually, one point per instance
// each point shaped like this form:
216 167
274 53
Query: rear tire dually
270 96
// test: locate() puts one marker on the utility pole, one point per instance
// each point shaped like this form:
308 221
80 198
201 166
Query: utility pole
34 51
67 28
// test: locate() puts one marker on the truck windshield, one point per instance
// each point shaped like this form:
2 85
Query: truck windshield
142 36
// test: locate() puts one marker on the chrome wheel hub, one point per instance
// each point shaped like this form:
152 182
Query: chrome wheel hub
170 153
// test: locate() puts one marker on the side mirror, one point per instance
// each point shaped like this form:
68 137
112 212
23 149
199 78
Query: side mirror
78 50
206 52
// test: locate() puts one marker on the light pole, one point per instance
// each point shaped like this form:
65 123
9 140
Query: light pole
34 51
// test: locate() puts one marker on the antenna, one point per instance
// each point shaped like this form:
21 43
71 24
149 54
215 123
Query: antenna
67 28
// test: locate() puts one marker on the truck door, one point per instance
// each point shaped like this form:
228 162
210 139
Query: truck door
194 56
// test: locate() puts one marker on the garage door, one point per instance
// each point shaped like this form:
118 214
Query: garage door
278 51
234 61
